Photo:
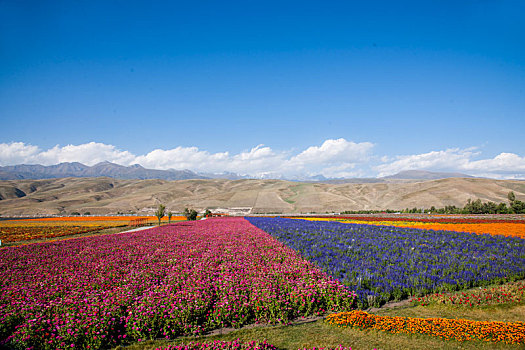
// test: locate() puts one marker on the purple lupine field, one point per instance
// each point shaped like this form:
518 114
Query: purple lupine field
181 279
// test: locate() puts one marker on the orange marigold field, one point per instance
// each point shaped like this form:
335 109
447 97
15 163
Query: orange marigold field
45 228
19 233
493 228
99 218
458 329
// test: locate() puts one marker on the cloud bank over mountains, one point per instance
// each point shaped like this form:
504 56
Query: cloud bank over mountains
334 158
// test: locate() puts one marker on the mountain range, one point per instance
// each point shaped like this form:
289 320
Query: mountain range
103 169
137 172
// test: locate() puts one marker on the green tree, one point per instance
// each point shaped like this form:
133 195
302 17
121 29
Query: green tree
489 208
190 215
518 207
502 209
473 207
207 213
170 214
160 212
511 197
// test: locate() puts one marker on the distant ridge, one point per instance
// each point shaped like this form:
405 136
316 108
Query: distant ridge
424 175
103 169
403 176
138 172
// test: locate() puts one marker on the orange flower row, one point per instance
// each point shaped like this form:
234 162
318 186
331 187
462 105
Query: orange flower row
28 224
29 229
458 329
89 218
16 234
86 221
497 228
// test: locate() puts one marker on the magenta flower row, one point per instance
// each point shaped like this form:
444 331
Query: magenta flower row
222 345
236 345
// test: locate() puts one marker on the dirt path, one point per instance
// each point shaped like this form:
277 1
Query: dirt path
390 305
303 320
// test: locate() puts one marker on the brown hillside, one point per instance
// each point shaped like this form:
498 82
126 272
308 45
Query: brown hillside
110 196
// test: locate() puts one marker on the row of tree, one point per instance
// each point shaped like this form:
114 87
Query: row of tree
190 214
478 207
471 207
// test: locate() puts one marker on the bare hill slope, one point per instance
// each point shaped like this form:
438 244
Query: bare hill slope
110 196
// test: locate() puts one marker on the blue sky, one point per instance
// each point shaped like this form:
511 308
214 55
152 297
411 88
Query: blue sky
267 88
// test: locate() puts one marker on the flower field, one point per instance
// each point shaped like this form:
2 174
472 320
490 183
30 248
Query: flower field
86 220
181 279
458 329
45 228
508 293
25 233
383 263
514 228
222 345
235 345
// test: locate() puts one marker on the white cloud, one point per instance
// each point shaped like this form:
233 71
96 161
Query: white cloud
503 162
17 153
256 161
180 158
261 161
504 165
335 151
333 158
89 153
342 171
435 160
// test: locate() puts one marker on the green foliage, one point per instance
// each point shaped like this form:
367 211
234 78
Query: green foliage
471 207
190 215
477 207
160 212
76 213
518 207
170 214
87 213
207 213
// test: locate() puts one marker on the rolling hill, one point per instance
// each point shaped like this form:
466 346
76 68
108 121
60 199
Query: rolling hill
105 195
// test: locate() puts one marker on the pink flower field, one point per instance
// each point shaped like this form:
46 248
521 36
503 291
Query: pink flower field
181 279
